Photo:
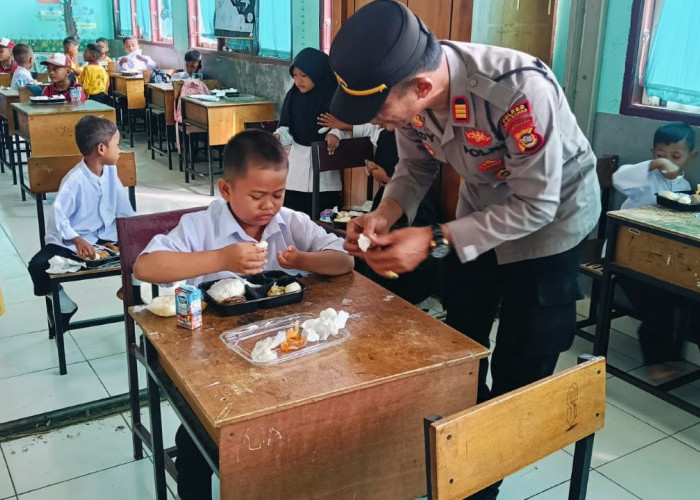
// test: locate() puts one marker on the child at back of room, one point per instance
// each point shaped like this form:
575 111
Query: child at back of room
59 74
193 66
93 77
24 57
104 45
7 62
70 49
87 204
134 59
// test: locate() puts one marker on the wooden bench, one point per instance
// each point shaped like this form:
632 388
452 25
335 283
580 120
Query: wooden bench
468 451
45 176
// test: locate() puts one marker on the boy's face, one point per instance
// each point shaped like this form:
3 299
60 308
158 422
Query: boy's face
71 50
104 47
257 197
58 74
678 153
303 82
110 151
131 45
192 66
5 54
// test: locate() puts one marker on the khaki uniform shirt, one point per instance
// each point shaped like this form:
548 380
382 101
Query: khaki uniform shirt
529 180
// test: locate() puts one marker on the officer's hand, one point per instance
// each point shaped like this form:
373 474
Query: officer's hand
400 251
370 225
332 142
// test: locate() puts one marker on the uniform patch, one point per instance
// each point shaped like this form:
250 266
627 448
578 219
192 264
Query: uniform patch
429 148
418 121
478 137
528 140
460 110
502 174
490 164
517 110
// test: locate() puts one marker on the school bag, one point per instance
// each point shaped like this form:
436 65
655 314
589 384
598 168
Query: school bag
159 76
190 86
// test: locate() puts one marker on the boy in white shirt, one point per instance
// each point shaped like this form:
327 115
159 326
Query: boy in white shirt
24 57
89 200
134 59
674 147
221 242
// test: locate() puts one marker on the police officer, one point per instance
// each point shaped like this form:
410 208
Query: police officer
529 194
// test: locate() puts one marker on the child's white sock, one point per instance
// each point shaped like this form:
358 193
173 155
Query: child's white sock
67 305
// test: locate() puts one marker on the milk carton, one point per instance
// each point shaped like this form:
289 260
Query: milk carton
188 305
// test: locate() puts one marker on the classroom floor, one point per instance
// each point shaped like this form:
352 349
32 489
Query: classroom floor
648 449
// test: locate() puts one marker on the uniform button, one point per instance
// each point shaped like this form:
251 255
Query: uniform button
473 83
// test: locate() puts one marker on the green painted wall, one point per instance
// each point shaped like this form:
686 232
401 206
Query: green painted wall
561 38
614 53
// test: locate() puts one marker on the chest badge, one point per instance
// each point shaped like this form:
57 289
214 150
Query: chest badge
460 109
490 164
429 148
418 121
478 138
502 174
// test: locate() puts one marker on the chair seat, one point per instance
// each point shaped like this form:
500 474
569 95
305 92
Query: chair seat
192 129
86 272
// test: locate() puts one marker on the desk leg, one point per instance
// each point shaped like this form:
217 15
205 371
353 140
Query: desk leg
149 131
605 302
20 168
3 149
58 327
211 172
13 166
156 430
130 119
170 151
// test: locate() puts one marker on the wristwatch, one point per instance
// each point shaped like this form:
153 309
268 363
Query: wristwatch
439 246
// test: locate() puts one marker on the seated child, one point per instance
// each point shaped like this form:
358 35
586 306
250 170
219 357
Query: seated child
70 49
673 149
220 242
7 63
193 66
93 77
59 71
104 46
24 57
134 59
90 199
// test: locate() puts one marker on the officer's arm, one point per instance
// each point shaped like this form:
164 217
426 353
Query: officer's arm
414 172
532 169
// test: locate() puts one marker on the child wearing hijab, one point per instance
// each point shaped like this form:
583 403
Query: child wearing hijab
314 85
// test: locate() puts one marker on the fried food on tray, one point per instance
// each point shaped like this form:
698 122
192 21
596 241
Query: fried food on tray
294 341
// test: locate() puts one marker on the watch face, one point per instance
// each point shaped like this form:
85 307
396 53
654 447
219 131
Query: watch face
440 251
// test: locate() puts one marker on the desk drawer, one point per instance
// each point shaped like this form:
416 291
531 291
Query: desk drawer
662 258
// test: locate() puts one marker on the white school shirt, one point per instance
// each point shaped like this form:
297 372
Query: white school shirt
640 185
22 75
132 62
87 206
300 175
216 228
367 130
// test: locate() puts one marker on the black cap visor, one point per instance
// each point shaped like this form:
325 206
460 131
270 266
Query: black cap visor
356 110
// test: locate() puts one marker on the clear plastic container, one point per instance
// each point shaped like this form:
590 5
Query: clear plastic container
242 340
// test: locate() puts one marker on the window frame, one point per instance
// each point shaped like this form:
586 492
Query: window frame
155 25
630 104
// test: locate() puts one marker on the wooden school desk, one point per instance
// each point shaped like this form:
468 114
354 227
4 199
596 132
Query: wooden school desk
131 90
7 130
342 423
222 120
660 247
160 97
50 129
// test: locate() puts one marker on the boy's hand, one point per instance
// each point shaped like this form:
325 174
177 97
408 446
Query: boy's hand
332 142
84 249
330 121
244 258
289 258
377 172
123 60
667 168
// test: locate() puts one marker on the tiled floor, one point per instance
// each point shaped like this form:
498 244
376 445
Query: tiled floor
648 448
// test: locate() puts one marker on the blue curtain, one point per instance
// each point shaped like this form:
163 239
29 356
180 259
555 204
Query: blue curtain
125 17
673 70
143 18
275 28
206 17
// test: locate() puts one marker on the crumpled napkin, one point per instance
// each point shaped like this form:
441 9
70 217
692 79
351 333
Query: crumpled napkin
60 265
328 323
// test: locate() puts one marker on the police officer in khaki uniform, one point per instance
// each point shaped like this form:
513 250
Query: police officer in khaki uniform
529 194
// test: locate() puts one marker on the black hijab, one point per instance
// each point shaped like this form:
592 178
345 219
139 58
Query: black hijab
300 111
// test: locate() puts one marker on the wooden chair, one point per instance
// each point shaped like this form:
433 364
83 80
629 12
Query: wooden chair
43 77
473 449
134 234
5 79
350 153
45 176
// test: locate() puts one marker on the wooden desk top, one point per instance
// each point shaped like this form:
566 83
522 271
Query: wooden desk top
10 92
127 77
389 339
165 87
241 100
683 224
83 107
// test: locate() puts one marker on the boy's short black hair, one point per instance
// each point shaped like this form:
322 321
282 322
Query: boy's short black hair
193 55
94 49
102 39
69 40
253 148
129 37
675 132
22 53
91 131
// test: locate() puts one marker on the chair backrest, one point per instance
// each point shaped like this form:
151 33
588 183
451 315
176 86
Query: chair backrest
605 168
475 448
350 153
24 94
5 79
269 125
43 77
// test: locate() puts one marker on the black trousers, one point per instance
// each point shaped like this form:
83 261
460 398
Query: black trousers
193 472
40 263
102 98
301 201
536 303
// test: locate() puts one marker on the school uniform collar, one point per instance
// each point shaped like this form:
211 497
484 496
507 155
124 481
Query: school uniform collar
90 175
230 225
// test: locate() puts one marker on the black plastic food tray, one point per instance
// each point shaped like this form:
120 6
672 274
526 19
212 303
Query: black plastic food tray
674 205
48 102
111 261
256 296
